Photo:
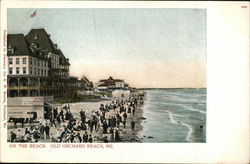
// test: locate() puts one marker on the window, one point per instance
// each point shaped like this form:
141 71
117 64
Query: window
24 60
35 37
17 60
30 61
24 70
42 72
34 70
10 49
17 70
10 71
31 70
38 62
10 60
38 71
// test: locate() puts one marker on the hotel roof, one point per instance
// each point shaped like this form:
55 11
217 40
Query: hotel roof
111 79
19 43
41 38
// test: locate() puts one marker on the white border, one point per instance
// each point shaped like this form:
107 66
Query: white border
227 103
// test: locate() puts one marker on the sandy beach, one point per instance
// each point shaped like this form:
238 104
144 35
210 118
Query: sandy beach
126 134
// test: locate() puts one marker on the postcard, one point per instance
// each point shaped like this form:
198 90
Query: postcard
100 81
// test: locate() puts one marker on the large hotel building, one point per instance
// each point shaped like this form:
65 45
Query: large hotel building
37 67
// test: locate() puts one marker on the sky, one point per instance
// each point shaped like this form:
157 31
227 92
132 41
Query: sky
148 48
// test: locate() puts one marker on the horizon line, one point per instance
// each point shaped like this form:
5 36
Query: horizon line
174 88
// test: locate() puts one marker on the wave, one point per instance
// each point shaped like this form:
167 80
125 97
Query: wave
183 94
170 115
173 121
186 107
179 94
188 116
190 131
185 100
178 115
192 109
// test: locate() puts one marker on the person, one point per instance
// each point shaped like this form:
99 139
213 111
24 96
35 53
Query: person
78 137
111 131
114 122
67 137
90 123
53 123
83 126
58 121
55 112
121 109
90 139
99 122
95 122
125 116
62 135
18 134
27 137
70 125
47 129
133 126
129 109
105 139
32 131
117 121
58 134
109 122
83 116
105 126
124 123
41 131
85 137
26 130
117 136
67 115
72 137
62 115
101 107
36 134
12 136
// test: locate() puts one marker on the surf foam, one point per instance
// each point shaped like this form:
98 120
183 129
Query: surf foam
170 115
173 121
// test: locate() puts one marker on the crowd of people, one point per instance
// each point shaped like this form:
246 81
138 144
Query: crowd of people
101 125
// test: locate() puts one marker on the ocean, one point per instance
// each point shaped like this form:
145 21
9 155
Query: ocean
174 115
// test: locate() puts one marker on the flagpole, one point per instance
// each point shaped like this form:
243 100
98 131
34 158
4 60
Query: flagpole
94 22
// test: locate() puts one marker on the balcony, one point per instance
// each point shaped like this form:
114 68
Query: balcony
34 87
23 87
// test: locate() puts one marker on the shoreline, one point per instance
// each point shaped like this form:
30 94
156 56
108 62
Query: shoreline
127 135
